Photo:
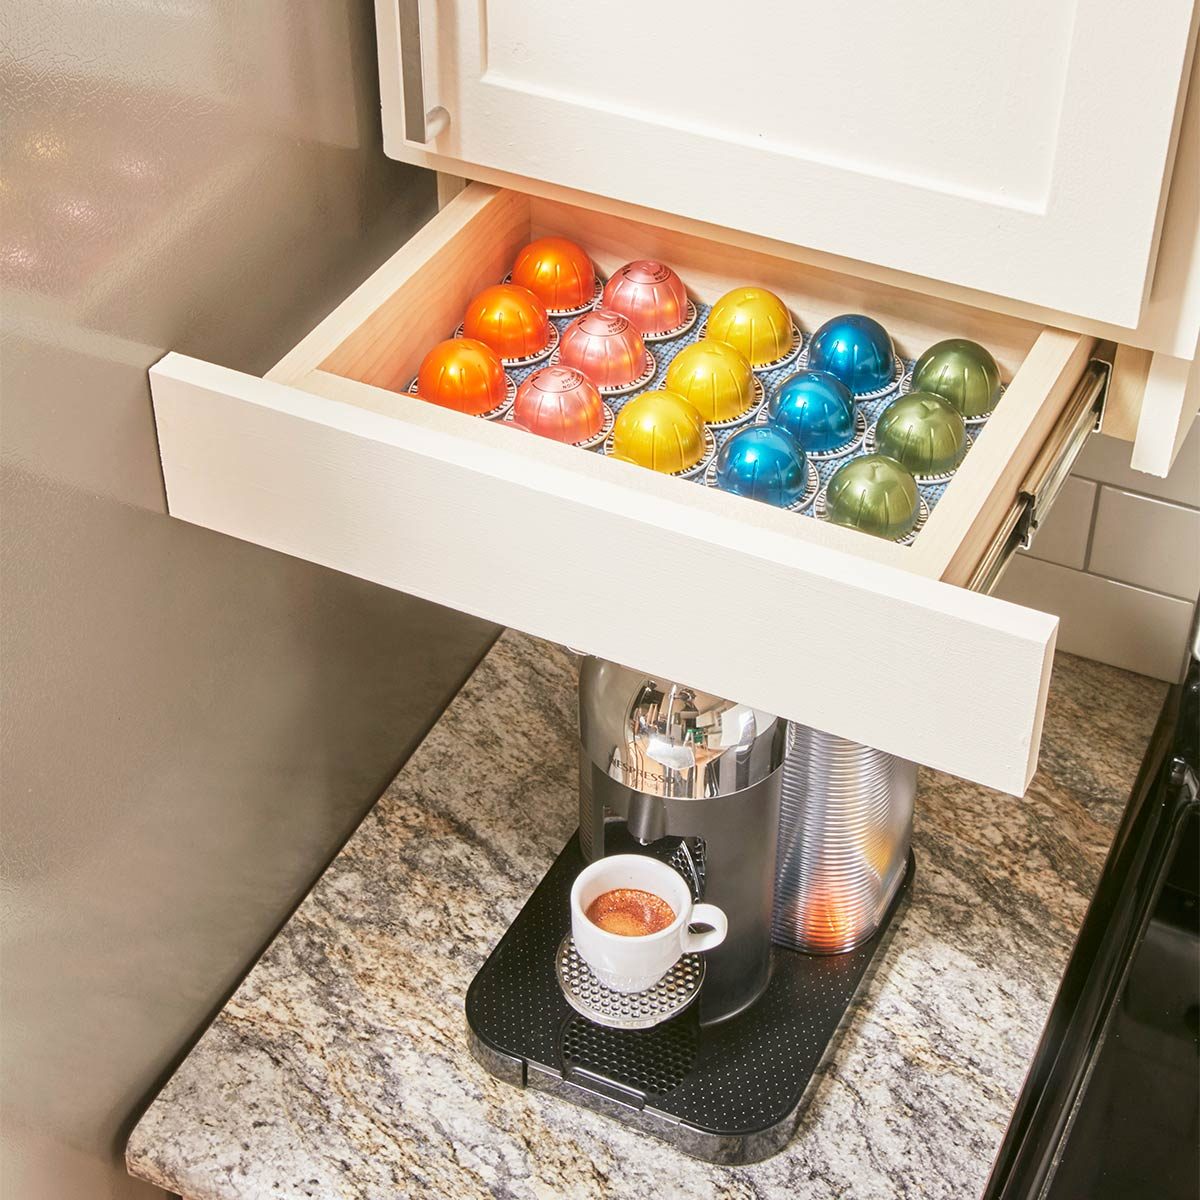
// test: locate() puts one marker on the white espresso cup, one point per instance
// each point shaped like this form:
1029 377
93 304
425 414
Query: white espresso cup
633 964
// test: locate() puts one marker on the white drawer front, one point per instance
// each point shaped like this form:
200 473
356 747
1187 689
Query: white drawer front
565 551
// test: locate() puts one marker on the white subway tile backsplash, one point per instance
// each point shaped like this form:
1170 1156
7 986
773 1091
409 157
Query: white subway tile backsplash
1118 559
1063 537
1107 460
1147 542
1100 619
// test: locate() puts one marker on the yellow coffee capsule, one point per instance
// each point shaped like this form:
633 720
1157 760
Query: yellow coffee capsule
715 377
659 430
754 321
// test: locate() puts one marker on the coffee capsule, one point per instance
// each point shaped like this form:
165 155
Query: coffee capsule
560 403
660 430
606 347
816 408
763 463
874 494
465 375
510 319
558 272
754 321
857 349
923 433
962 372
650 294
716 378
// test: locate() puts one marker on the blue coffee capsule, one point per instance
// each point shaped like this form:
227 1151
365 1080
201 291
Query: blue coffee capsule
857 349
763 463
816 408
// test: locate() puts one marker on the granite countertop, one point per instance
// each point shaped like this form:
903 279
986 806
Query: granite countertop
340 1068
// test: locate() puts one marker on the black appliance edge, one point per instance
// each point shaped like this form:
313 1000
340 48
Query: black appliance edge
1162 796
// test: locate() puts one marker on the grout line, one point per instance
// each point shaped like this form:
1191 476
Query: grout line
1137 587
1120 487
1091 529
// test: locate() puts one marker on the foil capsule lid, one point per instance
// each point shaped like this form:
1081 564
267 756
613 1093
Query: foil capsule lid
762 463
874 494
465 375
660 431
962 372
716 378
923 433
560 403
816 408
605 346
754 321
510 319
558 272
650 294
666 739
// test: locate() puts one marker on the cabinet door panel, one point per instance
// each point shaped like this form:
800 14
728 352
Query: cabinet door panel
1017 148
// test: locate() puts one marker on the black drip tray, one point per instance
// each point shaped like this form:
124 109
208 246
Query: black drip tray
729 1093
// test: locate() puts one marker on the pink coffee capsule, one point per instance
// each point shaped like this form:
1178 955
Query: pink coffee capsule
650 294
560 403
605 346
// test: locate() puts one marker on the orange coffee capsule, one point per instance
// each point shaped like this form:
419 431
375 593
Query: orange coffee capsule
463 374
558 272
510 319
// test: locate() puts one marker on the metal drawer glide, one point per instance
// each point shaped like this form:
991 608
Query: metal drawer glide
1047 475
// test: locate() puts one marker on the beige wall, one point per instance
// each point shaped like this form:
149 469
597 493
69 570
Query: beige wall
190 724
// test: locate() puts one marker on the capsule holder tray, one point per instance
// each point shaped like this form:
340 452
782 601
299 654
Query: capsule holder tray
730 1093
664 352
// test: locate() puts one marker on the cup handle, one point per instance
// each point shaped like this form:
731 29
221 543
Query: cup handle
705 914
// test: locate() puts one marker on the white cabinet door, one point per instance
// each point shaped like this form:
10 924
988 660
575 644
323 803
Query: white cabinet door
1020 148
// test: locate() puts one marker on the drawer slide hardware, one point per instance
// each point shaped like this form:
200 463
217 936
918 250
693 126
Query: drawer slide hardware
1046 476
420 125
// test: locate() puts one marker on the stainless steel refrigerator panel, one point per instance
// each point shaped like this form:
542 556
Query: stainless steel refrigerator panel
191 725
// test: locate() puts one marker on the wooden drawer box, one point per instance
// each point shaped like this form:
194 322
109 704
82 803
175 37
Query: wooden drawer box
327 460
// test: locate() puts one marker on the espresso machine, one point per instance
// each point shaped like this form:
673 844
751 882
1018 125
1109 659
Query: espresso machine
800 837
666 761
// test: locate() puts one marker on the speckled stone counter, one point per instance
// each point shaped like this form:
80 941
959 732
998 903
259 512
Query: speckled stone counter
340 1068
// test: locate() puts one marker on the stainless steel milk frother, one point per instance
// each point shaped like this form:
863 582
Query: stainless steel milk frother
845 825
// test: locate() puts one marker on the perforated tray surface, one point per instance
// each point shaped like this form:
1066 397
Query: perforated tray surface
678 988
732 1092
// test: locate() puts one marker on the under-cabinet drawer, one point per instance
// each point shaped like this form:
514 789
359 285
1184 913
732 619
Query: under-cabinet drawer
328 460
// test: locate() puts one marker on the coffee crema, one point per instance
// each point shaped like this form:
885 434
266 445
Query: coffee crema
630 912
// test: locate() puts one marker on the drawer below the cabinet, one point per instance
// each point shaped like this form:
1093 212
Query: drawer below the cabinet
327 459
